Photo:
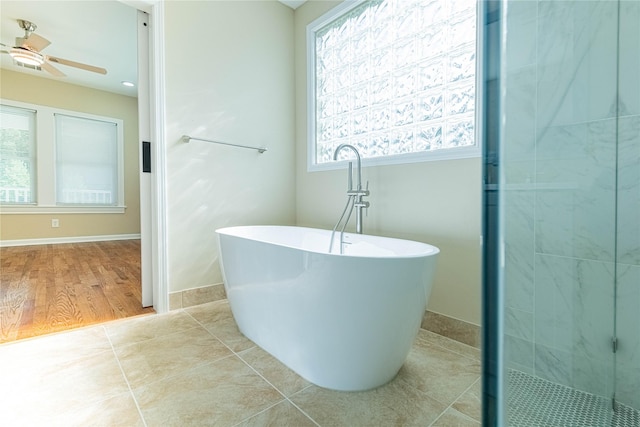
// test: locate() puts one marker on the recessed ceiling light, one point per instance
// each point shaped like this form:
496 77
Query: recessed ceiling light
128 84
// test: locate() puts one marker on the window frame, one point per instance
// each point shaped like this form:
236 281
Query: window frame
30 114
456 153
45 149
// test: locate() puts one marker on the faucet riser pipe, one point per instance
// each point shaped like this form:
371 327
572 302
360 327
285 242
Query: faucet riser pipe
354 196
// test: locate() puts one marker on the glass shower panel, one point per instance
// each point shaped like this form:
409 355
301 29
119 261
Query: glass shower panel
628 242
559 157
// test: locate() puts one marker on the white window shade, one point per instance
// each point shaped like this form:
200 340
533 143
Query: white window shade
17 155
87 161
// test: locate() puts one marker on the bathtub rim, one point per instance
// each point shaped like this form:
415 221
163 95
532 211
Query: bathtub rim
430 250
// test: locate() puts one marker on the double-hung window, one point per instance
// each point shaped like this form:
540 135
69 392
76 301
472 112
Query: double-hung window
394 78
54 160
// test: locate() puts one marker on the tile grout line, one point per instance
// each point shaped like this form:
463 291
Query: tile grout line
211 333
300 409
276 388
191 367
464 415
237 354
144 422
257 413
454 401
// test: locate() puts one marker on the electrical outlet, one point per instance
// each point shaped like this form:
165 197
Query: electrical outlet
55 223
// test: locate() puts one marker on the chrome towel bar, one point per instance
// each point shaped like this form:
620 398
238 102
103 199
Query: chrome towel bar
187 138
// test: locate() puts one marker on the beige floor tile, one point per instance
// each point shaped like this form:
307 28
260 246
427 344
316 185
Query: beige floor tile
48 389
281 377
148 327
218 319
442 374
470 403
167 355
118 411
184 373
453 418
60 347
282 414
222 393
394 404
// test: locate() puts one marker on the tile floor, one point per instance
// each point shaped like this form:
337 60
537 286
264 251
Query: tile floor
193 367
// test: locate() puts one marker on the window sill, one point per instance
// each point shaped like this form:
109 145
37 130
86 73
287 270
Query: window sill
33 209
436 155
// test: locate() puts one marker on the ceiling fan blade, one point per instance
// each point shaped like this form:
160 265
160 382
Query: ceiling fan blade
77 65
52 70
35 42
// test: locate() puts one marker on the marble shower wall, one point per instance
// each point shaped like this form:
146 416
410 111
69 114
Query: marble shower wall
572 138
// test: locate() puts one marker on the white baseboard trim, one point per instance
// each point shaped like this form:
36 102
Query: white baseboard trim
76 239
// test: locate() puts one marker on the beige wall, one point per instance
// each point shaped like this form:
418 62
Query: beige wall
229 77
55 93
436 202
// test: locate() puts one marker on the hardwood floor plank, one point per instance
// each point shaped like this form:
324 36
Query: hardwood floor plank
11 309
49 288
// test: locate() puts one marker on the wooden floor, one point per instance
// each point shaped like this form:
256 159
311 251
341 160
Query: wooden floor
50 288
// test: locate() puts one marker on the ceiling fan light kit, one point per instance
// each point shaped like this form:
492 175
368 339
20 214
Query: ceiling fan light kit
25 56
27 52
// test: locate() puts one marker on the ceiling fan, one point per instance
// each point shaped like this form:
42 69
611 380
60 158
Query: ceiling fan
27 52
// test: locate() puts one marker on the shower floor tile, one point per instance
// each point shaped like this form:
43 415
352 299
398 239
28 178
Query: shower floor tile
536 402
193 367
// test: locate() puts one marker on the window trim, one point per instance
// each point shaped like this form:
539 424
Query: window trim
45 185
436 155
31 115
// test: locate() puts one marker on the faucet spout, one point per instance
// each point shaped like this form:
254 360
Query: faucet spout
358 166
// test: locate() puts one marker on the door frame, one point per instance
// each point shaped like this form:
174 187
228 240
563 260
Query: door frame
156 235
144 160
159 253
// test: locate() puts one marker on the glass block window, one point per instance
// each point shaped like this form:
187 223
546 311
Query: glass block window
394 78
17 155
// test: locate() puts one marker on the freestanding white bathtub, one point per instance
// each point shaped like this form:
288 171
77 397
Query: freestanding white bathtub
343 322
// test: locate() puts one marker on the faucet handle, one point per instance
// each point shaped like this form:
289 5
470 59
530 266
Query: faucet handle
365 192
359 192
367 203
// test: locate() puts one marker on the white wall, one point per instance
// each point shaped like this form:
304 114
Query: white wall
229 77
247 89
435 202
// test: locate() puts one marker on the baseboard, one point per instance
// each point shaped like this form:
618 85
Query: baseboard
75 239
196 296
456 329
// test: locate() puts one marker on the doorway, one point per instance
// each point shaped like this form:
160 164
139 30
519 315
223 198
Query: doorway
151 297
